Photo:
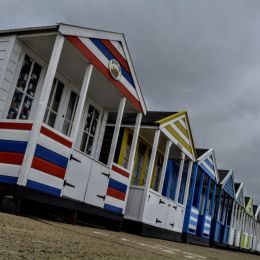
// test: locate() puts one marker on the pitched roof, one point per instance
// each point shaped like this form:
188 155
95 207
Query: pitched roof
222 174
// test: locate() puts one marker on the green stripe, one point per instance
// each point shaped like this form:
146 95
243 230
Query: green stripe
182 128
179 138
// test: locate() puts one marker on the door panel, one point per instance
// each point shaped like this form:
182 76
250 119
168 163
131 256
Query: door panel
77 176
97 185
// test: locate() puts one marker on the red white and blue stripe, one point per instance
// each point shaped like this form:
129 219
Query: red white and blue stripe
117 188
13 142
50 162
99 52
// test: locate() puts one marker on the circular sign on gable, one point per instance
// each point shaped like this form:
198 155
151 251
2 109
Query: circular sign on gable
114 68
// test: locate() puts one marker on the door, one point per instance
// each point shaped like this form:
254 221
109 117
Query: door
77 176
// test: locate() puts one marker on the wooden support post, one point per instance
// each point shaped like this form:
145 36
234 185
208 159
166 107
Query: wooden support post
188 183
41 108
116 131
131 160
179 178
81 102
164 166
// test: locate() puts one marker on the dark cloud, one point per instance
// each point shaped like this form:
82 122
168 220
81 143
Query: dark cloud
200 56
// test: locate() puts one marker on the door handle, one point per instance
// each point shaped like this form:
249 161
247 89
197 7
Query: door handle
65 183
175 207
171 224
75 159
101 197
158 220
106 174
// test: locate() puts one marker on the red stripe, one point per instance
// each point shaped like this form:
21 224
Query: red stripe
16 126
11 158
115 193
100 66
56 137
120 171
117 54
47 167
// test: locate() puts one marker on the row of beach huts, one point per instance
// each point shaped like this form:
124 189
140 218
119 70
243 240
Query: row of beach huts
75 134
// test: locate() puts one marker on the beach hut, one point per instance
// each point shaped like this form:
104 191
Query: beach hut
237 216
256 231
225 196
247 234
200 205
161 173
58 85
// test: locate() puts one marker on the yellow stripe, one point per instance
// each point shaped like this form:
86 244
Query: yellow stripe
170 118
179 138
182 129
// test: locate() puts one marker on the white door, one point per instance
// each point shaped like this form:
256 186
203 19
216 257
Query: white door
171 216
97 185
77 176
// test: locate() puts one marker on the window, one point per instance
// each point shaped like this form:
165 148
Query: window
25 89
89 130
229 212
53 105
127 151
203 196
171 178
210 203
139 163
195 202
61 107
157 173
183 181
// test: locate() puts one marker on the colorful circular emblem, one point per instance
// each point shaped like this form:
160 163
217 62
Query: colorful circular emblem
114 68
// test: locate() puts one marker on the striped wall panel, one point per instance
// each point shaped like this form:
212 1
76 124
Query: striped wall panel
207 225
50 161
117 188
14 136
193 221
178 132
99 52
208 166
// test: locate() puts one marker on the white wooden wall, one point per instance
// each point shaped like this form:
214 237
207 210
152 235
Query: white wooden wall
9 55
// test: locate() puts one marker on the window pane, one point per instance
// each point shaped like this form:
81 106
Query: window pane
89 118
83 142
139 163
203 194
158 170
195 202
94 122
52 119
52 91
34 79
15 104
26 108
89 145
24 74
66 127
57 97
71 105
211 191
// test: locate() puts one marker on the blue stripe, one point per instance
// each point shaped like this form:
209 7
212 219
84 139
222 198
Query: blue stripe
207 171
192 231
43 188
206 228
110 56
12 146
207 221
209 164
113 208
8 179
193 215
192 222
117 185
51 156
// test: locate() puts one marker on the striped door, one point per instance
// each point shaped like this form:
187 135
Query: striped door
193 221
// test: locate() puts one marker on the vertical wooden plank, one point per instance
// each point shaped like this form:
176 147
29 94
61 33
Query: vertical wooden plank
116 131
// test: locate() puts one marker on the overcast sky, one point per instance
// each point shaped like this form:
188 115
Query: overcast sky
200 56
